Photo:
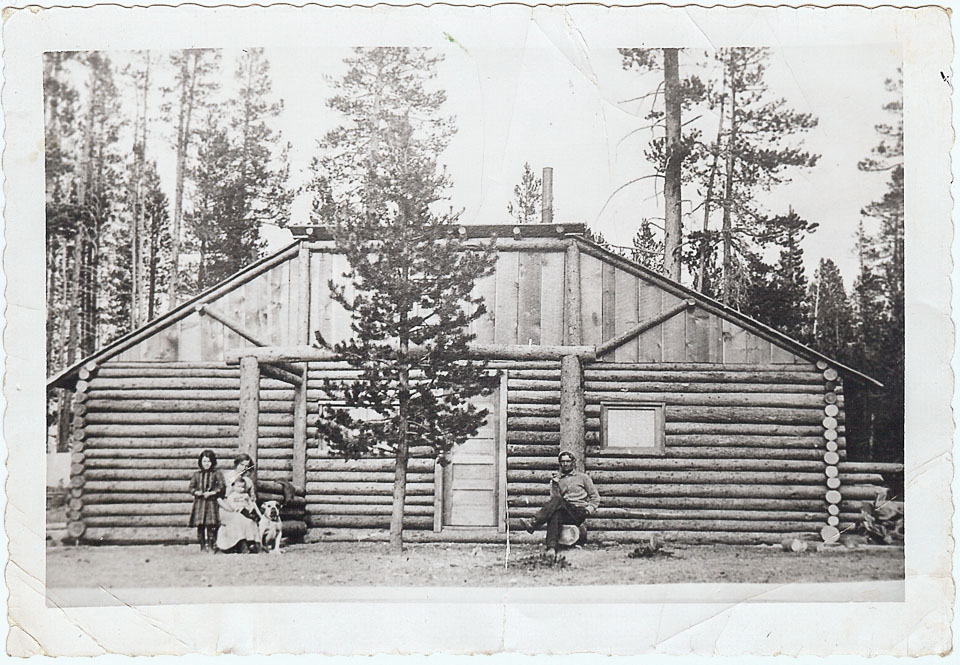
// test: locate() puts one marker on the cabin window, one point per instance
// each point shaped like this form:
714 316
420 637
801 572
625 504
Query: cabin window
632 427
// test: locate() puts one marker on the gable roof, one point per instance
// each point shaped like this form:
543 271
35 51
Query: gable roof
68 374
574 231
716 307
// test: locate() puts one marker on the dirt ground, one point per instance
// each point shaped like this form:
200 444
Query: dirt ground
364 564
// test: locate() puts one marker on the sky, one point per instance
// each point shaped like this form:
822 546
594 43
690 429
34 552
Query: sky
535 105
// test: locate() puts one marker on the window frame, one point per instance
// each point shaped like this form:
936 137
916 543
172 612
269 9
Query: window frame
659 409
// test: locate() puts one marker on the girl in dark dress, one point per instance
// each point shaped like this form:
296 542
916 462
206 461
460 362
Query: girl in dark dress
206 486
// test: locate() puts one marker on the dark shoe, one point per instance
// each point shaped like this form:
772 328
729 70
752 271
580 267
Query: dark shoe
203 546
551 553
528 526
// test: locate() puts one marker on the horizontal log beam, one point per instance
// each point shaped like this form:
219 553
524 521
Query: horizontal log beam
605 464
180 446
201 431
811 401
871 467
182 418
359 487
694 503
671 386
161 406
601 478
643 514
550 451
719 374
704 489
490 351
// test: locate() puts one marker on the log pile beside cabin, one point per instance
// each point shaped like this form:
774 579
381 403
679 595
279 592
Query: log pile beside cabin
752 440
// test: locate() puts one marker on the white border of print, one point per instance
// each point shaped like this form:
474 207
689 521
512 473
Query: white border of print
559 621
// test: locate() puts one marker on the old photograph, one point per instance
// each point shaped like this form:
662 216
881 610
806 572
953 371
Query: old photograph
423 313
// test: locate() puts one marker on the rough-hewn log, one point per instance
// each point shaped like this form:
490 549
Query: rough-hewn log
778 526
704 489
746 504
601 478
368 509
185 418
179 466
372 488
871 467
572 417
848 478
197 395
679 452
498 351
132 486
372 521
546 437
711 374
157 473
553 385
363 476
249 415
621 339
364 465
164 406
179 431
300 406
745 440
374 499
186 447
810 401
572 334
603 464
192 370
281 373
622 513
185 383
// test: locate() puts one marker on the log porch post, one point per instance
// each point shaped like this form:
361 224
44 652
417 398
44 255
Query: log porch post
300 392
572 405
249 405
572 401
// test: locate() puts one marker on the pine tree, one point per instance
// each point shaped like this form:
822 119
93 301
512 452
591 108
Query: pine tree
647 250
831 320
410 275
670 151
753 152
195 69
787 312
527 198
261 161
879 289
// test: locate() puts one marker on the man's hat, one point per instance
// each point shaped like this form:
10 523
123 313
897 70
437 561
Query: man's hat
566 453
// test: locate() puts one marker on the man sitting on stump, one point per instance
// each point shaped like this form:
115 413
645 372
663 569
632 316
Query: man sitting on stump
572 499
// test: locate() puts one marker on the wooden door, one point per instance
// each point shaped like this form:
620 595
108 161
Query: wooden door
471 480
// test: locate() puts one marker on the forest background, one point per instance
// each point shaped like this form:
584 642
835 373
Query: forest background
200 159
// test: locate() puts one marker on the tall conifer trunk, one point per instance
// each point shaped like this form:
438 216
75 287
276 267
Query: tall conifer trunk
727 231
673 220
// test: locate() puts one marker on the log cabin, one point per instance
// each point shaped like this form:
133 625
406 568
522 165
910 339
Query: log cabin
696 422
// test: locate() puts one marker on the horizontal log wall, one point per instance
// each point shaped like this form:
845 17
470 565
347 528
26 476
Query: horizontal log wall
743 456
357 494
143 426
744 459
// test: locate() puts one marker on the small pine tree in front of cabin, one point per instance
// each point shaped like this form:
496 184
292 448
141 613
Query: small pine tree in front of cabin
410 277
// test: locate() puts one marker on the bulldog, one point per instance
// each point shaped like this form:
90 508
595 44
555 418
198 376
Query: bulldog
271 527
